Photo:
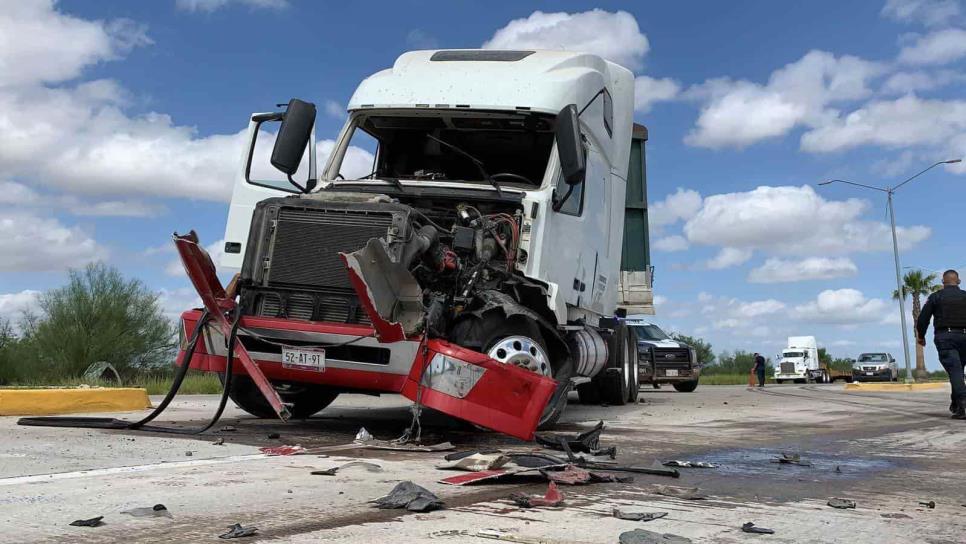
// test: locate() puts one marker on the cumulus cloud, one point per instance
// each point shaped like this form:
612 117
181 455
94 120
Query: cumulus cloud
940 47
793 221
672 243
174 267
928 12
743 316
615 36
208 6
741 113
26 198
649 91
13 305
843 307
30 243
901 83
683 204
728 257
334 109
776 270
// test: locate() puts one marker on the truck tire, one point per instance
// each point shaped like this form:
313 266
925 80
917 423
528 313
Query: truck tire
634 379
517 340
306 399
686 387
614 381
588 393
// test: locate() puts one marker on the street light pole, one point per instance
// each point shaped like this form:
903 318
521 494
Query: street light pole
889 191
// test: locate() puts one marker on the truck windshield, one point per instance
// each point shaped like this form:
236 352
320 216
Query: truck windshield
513 147
649 332
872 358
793 354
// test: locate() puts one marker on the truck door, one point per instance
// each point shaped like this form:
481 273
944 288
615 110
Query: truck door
258 180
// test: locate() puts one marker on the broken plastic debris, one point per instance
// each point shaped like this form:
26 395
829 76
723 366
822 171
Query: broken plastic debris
476 462
461 454
641 536
219 442
370 467
687 493
791 459
689 464
896 516
228 429
237 531
92 522
411 497
282 450
553 497
585 442
841 503
928 504
751 528
158 510
364 436
638 516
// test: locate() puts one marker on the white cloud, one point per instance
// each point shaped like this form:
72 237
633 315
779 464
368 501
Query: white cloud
939 47
671 243
175 301
728 257
812 268
741 113
928 12
910 82
174 267
739 315
792 221
649 91
660 300
418 38
26 198
615 36
30 243
334 109
13 305
843 307
680 205
209 6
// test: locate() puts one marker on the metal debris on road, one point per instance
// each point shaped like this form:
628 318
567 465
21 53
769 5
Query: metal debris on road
365 439
791 459
842 504
476 462
553 497
638 516
461 454
228 429
896 516
238 531
641 536
274 436
187 453
751 528
411 497
585 442
369 467
282 450
219 442
928 504
364 435
483 475
157 511
689 464
92 522
686 493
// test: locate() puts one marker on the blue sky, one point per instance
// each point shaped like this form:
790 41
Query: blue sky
119 123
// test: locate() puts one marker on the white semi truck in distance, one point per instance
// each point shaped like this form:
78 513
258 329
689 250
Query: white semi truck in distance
498 220
799 362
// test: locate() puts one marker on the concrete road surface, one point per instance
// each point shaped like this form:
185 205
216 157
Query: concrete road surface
885 451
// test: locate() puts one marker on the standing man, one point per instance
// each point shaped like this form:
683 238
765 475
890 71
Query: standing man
947 308
760 369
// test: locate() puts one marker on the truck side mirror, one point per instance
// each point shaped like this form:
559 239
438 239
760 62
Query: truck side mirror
570 147
293 136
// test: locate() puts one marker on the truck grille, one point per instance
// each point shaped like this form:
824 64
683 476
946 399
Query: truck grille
675 356
305 251
788 368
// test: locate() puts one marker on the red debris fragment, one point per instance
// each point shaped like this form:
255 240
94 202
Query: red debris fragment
282 450
553 497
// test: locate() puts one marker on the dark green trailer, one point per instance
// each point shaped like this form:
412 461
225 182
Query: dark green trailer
636 295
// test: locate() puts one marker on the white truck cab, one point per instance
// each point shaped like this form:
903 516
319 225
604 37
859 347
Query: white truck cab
799 362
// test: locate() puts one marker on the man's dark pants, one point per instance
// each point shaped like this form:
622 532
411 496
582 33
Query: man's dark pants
761 376
952 355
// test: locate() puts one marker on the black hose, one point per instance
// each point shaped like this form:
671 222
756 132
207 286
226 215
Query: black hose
114 423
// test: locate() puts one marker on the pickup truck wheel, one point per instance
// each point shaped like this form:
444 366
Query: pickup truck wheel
306 399
614 381
517 340
686 387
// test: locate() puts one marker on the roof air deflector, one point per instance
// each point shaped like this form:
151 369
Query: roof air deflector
480 55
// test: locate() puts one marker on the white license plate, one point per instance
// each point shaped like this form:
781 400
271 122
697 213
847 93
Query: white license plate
304 359
671 372
869 373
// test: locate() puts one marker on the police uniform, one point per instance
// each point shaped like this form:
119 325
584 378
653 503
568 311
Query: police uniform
947 308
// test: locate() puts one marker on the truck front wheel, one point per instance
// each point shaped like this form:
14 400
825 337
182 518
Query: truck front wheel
306 399
686 387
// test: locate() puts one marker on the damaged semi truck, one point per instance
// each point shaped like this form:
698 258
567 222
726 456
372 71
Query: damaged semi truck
462 245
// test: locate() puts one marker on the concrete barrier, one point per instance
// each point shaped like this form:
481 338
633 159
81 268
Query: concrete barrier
39 402
896 387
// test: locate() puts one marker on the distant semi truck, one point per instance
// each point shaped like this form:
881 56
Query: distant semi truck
799 362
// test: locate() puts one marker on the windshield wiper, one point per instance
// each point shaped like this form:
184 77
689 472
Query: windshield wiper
477 162
393 181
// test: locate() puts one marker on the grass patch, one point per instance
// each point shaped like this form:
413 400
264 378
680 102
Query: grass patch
195 383
727 379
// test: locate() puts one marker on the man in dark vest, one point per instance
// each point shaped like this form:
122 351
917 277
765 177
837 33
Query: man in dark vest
947 309
760 369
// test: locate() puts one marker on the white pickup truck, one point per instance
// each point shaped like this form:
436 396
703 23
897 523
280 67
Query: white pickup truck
498 196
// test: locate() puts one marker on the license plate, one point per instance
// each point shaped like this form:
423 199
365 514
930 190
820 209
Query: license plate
304 359
869 373
671 372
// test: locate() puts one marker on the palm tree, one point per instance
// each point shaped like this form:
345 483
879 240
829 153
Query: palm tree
918 284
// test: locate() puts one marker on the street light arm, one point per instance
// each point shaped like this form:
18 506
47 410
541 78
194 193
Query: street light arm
924 171
854 183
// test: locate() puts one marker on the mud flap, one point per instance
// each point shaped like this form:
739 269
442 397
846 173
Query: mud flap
387 291
470 386
201 271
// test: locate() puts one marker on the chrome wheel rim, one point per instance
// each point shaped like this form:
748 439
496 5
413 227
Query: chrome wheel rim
523 352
